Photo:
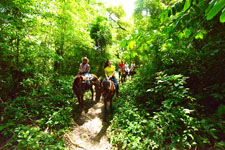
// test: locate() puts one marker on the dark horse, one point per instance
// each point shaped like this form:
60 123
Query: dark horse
80 87
108 91
132 72
123 75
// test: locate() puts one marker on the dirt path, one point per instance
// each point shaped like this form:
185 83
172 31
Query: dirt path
89 132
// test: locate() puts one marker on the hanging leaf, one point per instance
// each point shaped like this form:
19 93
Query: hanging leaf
187 5
187 32
123 43
163 16
199 36
194 2
179 6
216 9
173 10
222 16
211 4
132 44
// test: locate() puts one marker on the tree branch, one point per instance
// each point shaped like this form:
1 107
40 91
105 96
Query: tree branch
117 23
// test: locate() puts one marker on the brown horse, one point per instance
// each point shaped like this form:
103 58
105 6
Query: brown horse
123 75
108 91
132 72
80 87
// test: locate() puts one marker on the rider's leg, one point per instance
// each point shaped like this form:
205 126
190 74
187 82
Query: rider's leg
88 80
117 85
104 80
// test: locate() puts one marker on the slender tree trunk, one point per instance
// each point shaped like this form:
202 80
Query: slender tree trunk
17 50
59 51
56 63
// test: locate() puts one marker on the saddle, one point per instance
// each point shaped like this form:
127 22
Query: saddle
84 82
85 79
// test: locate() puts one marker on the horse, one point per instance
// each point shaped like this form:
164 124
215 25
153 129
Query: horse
132 72
123 75
108 91
80 87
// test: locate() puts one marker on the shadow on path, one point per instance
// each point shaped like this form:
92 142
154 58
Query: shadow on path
77 111
89 131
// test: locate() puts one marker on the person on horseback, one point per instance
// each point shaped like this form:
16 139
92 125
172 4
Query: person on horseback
110 75
121 66
132 66
126 68
84 70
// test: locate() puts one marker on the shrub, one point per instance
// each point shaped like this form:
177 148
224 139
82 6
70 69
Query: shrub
171 124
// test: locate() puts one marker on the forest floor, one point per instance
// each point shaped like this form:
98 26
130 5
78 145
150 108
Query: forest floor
89 131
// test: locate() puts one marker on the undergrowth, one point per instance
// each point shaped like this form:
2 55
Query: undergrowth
39 115
163 115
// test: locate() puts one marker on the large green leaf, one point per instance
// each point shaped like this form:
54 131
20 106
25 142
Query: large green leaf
187 5
216 9
163 16
211 4
222 17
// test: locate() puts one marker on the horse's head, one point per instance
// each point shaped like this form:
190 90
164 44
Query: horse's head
97 85
108 88
123 69
105 85
98 91
78 84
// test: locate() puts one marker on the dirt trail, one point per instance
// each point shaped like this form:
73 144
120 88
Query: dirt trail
89 132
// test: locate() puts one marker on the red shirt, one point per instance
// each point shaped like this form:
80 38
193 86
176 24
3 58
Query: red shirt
121 65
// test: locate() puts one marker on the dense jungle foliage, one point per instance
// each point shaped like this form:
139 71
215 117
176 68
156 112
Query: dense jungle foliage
175 101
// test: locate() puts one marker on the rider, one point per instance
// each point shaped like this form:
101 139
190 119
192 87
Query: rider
85 69
126 68
121 66
110 74
132 65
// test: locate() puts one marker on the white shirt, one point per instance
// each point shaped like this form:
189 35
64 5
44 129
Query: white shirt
127 67
132 65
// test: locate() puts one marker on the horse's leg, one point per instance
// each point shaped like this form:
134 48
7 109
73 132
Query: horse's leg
92 93
105 105
105 109
78 97
82 102
79 101
97 93
111 103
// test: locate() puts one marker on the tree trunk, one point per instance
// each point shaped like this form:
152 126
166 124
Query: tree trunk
17 50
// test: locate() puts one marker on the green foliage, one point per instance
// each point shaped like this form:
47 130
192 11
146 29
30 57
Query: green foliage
101 33
25 118
219 5
176 100
32 138
177 95
222 17
171 124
